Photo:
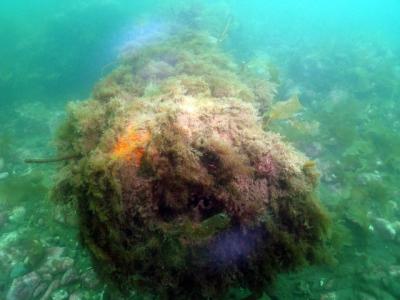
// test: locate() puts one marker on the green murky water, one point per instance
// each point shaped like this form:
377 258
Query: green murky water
341 59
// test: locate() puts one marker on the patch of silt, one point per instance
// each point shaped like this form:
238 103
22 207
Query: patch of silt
180 192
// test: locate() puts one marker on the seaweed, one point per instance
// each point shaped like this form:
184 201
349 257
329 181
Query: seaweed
283 110
179 190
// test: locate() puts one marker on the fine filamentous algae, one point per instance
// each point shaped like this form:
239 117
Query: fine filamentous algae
199 150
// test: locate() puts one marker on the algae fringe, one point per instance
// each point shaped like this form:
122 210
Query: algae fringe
180 192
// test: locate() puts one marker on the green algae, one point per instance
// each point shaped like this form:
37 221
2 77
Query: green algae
166 212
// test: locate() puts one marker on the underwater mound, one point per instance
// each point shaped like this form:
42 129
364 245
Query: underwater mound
179 190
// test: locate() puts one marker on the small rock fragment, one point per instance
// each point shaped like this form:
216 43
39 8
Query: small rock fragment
69 277
22 288
328 296
60 295
4 175
90 279
3 219
55 251
396 225
18 270
75 296
18 214
65 216
394 271
53 286
40 290
56 265
47 277
384 228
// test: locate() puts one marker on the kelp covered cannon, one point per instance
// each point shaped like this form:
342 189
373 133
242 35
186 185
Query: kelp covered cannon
179 190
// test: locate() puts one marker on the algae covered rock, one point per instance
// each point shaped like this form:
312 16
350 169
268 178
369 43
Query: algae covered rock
179 190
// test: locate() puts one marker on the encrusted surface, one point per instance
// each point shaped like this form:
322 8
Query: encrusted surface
179 189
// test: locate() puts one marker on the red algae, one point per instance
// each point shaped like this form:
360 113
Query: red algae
193 196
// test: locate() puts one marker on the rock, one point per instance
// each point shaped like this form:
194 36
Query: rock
63 264
367 178
384 228
3 219
396 226
75 296
9 238
18 270
47 277
69 277
22 288
60 295
392 284
40 290
4 175
313 150
55 265
329 296
365 296
65 216
55 251
18 214
393 205
89 279
36 253
6 261
374 293
394 271
52 287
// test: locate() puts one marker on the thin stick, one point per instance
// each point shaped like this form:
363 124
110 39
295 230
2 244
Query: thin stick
51 159
224 33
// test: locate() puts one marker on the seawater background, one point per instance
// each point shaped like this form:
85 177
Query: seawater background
341 57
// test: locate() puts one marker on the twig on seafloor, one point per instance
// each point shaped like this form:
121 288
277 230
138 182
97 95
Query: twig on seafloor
224 33
51 159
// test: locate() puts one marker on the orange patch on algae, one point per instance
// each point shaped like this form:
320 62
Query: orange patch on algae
131 146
